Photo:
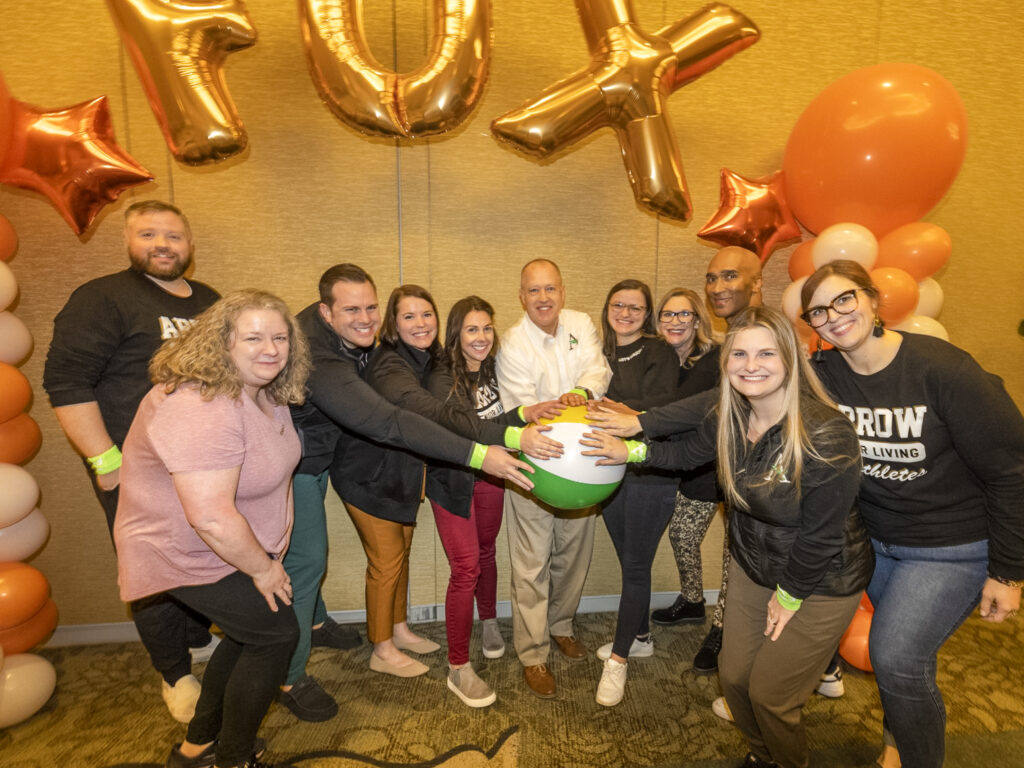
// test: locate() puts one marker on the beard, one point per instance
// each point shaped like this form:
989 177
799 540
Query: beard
146 265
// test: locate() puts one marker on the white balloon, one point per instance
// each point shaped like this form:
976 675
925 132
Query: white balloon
26 684
15 339
791 305
926 326
23 539
20 493
8 286
845 241
930 298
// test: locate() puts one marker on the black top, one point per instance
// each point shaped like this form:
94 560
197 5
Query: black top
809 540
943 450
104 338
700 484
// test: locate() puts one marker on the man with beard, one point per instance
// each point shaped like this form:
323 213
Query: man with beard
96 375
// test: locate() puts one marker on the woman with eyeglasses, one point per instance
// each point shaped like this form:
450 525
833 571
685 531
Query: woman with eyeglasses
942 495
644 374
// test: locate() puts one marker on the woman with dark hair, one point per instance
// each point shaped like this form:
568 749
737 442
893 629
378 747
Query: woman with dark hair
468 506
382 487
942 495
644 374
789 467
206 508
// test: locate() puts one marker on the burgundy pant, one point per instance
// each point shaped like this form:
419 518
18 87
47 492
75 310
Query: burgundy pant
469 544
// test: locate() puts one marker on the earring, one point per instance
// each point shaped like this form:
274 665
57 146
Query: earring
879 329
819 354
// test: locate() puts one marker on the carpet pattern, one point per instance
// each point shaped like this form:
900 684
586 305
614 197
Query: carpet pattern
107 711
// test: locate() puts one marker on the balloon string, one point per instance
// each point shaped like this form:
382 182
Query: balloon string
398 148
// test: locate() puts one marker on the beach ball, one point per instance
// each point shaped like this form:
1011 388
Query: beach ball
572 481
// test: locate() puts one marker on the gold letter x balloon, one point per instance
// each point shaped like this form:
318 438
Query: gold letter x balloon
625 86
178 49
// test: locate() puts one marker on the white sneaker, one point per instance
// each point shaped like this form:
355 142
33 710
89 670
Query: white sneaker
831 685
181 697
493 643
613 684
640 649
199 655
467 685
721 708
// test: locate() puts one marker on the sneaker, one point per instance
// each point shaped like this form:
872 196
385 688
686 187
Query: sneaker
721 708
308 701
613 684
331 634
204 759
680 612
831 685
706 660
203 653
181 697
640 649
493 642
474 692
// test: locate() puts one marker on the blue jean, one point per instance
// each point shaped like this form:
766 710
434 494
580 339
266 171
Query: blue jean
921 596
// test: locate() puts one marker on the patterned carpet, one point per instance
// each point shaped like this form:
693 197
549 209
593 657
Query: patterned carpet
107 712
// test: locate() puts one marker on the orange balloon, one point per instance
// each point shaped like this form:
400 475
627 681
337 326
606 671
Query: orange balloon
865 603
5 121
800 261
20 438
919 249
30 633
878 147
853 646
8 237
898 293
15 392
23 590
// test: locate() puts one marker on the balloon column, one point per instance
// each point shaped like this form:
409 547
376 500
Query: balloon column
27 614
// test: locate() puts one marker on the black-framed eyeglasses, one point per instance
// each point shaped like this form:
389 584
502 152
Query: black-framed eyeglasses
633 309
684 315
843 304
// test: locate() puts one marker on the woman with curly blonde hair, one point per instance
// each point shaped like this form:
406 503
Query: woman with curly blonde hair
206 508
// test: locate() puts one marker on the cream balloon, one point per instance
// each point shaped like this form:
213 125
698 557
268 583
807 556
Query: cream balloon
26 684
930 298
926 326
8 286
845 241
23 539
15 339
791 304
20 493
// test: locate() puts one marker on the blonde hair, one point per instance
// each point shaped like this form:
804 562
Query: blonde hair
704 336
801 387
201 353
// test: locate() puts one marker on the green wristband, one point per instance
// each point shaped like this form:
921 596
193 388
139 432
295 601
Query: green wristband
637 451
476 459
786 600
583 391
520 411
106 462
513 437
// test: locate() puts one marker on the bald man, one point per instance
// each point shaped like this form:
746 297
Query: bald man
733 281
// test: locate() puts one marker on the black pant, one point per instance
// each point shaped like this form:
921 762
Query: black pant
167 628
247 668
636 517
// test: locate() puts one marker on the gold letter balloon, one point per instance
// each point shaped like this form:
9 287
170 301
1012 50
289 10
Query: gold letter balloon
376 101
178 49
630 76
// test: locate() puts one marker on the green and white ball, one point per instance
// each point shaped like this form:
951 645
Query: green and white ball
572 481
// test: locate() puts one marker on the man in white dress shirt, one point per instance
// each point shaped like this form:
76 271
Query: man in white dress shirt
551 353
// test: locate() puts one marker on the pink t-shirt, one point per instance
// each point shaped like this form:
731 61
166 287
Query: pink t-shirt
157 549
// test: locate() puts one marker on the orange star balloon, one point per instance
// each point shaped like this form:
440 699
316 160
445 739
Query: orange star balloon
753 214
70 155
630 77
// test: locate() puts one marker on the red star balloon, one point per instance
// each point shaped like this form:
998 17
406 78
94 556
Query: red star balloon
630 77
753 214
70 155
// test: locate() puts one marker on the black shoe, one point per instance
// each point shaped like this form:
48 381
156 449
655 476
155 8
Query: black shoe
706 660
308 701
680 612
334 635
207 758
753 761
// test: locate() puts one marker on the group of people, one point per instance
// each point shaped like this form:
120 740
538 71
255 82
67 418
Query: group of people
212 427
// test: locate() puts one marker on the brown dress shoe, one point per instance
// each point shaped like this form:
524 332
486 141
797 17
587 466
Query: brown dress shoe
570 647
540 681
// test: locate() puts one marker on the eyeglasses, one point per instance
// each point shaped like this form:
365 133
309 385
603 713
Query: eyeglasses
684 315
843 304
633 309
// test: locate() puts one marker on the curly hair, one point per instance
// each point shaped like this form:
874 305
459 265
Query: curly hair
201 354
454 356
704 336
